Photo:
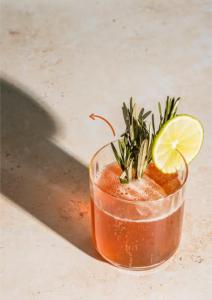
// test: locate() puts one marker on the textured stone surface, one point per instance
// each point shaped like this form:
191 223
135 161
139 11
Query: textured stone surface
61 61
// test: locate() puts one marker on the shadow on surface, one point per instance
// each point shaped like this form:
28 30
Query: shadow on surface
38 175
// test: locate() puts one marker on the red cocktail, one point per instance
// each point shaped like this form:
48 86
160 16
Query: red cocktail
135 225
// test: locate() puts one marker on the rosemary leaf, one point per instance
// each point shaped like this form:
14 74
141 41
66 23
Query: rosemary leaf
130 170
153 123
126 115
116 154
142 158
141 114
160 111
146 115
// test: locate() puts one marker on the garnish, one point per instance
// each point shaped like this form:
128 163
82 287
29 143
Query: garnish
170 111
180 135
134 151
135 143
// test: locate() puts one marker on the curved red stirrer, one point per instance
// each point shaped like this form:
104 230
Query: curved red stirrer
93 116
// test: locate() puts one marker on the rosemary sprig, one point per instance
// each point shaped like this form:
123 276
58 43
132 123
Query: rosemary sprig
170 111
133 152
135 145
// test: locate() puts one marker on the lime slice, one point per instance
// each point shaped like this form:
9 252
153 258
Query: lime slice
183 133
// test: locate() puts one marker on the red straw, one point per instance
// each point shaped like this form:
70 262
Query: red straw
93 116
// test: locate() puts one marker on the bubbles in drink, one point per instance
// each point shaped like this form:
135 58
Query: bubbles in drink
144 230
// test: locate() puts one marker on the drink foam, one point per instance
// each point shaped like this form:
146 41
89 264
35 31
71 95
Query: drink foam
153 185
144 189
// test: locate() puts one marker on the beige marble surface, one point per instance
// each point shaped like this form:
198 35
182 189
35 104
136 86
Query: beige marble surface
61 61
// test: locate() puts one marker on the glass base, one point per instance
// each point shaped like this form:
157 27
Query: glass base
146 269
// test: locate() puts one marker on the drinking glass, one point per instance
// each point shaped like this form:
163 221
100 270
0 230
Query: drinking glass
134 234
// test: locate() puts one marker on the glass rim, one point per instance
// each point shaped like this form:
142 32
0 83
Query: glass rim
123 199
